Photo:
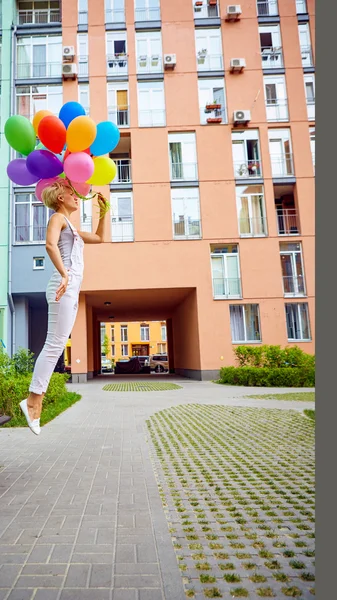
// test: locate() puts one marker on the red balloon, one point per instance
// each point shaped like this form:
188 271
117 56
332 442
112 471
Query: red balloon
52 133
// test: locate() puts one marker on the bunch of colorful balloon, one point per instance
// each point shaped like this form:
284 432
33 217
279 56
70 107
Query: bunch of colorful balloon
70 146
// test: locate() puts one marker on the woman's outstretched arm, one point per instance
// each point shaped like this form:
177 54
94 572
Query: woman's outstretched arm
97 237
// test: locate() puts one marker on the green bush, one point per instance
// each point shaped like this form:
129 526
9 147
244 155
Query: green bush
303 376
15 387
273 357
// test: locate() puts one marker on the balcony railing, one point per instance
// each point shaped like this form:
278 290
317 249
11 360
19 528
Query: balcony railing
117 64
301 7
307 58
30 234
311 109
86 224
83 17
184 171
282 165
83 67
122 229
152 118
39 17
293 286
252 227
119 115
212 115
267 8
38 70
147 14
209 62
287 221
249 169
313 159
277 110
115 15
123 174
186 227
206 10
227 287
272 57
150 64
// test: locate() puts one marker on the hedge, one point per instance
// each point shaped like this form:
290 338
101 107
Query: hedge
273 357
267 377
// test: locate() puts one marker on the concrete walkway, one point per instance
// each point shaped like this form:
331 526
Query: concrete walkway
80 512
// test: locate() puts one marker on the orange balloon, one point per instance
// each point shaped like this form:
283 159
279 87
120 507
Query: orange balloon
39 116
81 133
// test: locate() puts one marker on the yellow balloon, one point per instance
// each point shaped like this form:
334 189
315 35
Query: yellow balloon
39 116
105 171
80 134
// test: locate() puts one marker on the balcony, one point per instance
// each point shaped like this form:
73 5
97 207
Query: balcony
147 14
293 286
267 8
226 287
186 228
206 9
184 171
83 67
83 17
272 58
152 118
213 113
287 221
149 64
122 229
250 169
311 110
39 17
282 165
119 115
30 234
123 171
253 227
117 65
307 58
115 15
277 110
39 70
86 224
209 62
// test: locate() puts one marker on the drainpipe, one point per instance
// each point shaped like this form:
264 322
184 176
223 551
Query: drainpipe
10 225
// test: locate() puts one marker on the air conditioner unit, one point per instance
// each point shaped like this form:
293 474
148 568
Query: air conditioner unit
69 71
233 12
170 61
241 117
68 52
237 64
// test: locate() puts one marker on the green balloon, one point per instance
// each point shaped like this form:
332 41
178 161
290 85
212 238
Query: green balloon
63 175
20 134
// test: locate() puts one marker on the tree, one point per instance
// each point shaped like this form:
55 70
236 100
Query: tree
106 346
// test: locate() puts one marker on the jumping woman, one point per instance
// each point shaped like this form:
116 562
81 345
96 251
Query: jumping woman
65 247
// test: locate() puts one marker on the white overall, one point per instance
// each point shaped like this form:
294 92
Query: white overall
61 314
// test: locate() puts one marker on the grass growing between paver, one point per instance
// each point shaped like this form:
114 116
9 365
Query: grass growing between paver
140 386
237 487
49 411
291 396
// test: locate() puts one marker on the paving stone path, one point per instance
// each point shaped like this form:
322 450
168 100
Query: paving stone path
81 513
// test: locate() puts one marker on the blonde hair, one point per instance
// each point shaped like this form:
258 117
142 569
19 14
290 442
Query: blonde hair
51 193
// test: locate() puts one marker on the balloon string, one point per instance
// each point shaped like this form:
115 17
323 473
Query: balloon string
104 207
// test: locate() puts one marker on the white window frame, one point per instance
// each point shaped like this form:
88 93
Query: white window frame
83 12
269 8
84 90
116 115
122 225
250 195
208 89
292 253
113 350
207 58
301 7
148 12
155 117
151 60
312 132
225 256
184 222
35 266
52 69
161 348
310 80
163 331
86 215
33 201
271 56
117 63
112 334
83 54
144 333
305 44
124 333
125 349
298 306
243 316
187 169
276 110
246 168
114 13
44 90
206 11
282 165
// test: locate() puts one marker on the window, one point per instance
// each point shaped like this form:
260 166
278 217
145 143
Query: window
301 7
112 333
149 54
83 12
122 217
84 97
38 263
207 10
251 210
102 334
113 350
151 104
297 318
118 104
280 152
82 54
39 56
312 144
116 49
163 333
267 8
292 269
125 350
147 10
86 215
246 153
245 323
271 47
30 99
226 272
114 11
161 349
276 98
309 86
30 219
212 100
209 49
144 333
37 12
124 333
183 156
186 213
305 44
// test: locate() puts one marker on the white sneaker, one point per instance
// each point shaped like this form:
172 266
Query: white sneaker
34 424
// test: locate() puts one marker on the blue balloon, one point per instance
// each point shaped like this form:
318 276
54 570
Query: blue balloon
69 112
106 140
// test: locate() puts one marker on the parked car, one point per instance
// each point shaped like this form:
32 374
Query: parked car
106 366
159 363
144 360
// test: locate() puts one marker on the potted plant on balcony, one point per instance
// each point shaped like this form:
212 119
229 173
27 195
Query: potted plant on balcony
202 55
212 106
143 60
254 167
212 2
121 60
198 5
214 119
155 60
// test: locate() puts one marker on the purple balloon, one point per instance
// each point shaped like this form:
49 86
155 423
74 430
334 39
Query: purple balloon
18 173
44 164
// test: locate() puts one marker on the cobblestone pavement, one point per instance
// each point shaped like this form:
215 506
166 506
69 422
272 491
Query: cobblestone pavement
81 513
